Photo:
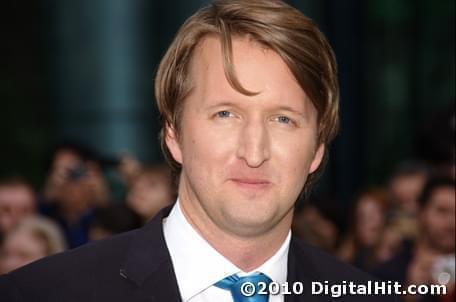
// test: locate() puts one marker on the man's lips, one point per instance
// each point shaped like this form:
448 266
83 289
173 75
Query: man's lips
252 183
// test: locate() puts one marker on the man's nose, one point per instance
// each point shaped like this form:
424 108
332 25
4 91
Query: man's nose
254 145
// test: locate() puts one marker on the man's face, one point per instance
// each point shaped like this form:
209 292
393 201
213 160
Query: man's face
406 189
70 180
370 220
244 159
438 219
16 203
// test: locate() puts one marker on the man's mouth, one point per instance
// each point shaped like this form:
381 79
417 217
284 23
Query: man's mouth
251 183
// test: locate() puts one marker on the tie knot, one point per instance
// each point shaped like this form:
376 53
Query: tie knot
246 288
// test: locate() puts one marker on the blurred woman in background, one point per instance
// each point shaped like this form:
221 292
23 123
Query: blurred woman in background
34 238
366 226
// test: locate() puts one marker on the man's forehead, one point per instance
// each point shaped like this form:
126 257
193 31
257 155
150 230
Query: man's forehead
210 47
256 67
15 191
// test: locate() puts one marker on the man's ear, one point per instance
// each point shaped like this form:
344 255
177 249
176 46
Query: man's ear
172 143
318 157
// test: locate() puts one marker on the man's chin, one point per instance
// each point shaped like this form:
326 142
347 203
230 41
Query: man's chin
252 222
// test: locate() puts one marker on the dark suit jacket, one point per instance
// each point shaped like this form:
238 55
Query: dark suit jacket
136 267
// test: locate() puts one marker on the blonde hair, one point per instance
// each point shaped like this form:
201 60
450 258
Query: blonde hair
44 230
272 23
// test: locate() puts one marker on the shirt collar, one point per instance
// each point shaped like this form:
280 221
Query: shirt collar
198 265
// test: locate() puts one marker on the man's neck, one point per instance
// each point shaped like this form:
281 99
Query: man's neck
246 253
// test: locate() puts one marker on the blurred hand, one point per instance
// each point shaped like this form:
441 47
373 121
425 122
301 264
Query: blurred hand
420 269
54 183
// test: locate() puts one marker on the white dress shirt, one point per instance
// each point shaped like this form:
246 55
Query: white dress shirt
198 265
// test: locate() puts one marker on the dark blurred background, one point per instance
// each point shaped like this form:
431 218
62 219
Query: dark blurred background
84 70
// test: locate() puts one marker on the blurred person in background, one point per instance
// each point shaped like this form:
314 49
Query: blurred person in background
150 191
17 201
406 184
128 168
33 238
430 258
316 222
74 161
367 223
113 219
75 186
404 188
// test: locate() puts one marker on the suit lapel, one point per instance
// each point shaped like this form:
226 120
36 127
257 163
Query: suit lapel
301 270
148 265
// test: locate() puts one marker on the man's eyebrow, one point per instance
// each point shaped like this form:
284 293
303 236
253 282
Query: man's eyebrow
302 112
217 103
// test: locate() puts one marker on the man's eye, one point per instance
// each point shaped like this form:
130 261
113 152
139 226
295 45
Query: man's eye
224 114
284 119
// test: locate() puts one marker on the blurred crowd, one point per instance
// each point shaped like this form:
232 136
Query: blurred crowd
403 230
76 204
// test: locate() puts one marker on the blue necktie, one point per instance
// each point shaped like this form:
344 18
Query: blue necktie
234 283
